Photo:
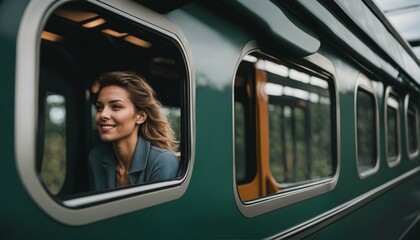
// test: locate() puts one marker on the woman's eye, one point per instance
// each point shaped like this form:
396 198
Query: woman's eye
98 107
115 107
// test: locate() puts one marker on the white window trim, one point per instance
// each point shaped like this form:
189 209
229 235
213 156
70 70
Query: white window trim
414 154
388 94
269 203
365 84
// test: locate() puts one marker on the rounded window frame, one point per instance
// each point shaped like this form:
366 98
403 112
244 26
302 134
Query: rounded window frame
366 84
388 93
415 154
105 204
272 202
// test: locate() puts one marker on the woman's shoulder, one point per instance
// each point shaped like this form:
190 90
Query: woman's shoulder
162 154
161 151
163 164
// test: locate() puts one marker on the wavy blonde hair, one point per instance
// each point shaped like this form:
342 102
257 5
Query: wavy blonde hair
156 129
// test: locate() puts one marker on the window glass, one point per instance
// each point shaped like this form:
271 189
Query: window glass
278 163
293 114
299 118
173 114
366 131
53 170
392 129
301 169
244 114
392 136
240 145
412 124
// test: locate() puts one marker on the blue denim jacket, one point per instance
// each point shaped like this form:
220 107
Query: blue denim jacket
150 164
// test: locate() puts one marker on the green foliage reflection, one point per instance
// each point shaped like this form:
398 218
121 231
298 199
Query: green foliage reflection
292 156
392 132
173 114
53 169
412 128
366 131
240 141
300 131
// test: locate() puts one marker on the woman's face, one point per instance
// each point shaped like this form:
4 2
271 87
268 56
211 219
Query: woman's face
116 117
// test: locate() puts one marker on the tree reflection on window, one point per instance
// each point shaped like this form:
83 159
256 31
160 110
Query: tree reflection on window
366 131
53 170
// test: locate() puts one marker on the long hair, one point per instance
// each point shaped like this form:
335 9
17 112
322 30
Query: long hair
156 129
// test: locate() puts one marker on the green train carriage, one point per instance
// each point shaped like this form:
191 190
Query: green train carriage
295 119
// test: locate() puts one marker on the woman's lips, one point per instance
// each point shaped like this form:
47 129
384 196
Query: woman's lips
106 127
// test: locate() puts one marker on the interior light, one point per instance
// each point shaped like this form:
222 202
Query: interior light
299 76
94 23
273 68
297 93
52 37
75 15
113 33
250 58
137 41
319 82
273 89
95 88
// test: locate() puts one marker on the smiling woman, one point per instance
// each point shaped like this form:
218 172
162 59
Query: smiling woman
128 115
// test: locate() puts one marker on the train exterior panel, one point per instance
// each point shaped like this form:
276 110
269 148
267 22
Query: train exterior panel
295 119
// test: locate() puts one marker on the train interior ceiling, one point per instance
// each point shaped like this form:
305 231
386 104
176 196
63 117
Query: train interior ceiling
79 42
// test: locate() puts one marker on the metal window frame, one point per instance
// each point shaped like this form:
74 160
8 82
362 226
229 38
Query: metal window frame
365 84
390 93
272 202
411 155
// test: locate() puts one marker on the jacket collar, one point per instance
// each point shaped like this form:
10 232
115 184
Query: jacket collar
140 156
139 161
109 162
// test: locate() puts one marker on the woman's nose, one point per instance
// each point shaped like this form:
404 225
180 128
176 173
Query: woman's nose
104 114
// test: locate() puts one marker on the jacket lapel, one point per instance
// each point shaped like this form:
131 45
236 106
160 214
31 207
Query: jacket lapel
139 162
109 164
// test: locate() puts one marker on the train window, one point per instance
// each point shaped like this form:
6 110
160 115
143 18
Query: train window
244 135
240 146
392 127
366 128
276 139
113 44
53 169
78 41
412 126
281 111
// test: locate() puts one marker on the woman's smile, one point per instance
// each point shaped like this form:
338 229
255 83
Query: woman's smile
105 128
